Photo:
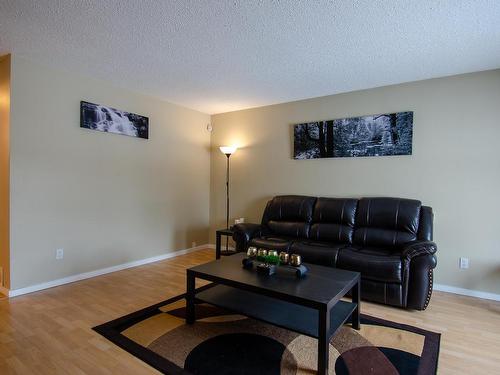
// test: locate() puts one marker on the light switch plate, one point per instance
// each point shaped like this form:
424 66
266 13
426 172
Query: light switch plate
464 263
59 254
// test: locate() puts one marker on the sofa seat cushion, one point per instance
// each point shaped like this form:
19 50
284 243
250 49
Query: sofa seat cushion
373 263
271 242
316 252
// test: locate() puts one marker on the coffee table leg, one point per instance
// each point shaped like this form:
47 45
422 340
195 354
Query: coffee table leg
190 295
356 294
323 344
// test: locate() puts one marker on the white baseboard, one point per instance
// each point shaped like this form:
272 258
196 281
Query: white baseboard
467 292
102 271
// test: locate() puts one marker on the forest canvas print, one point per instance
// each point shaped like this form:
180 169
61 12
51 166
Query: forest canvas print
110 120
376 135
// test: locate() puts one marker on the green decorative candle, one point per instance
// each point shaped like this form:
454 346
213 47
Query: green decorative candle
261 255
273 259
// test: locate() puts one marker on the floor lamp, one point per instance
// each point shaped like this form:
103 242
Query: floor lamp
228 151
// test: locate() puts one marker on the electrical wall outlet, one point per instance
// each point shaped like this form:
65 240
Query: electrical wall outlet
464 263
59 254
193 244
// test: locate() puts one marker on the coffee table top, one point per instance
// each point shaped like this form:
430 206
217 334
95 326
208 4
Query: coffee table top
320 288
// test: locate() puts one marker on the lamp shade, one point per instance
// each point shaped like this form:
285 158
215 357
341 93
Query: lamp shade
228 150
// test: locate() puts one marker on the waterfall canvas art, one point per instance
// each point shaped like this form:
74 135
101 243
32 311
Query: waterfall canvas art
375 135
106 119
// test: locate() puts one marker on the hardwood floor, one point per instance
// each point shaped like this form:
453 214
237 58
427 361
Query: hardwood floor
49 332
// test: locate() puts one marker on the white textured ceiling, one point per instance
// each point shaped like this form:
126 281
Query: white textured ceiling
218 56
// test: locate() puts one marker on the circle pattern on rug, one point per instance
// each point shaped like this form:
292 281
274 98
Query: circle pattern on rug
406 363
377 361
240 353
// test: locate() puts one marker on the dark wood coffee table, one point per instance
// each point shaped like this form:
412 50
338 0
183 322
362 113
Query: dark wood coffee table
311 305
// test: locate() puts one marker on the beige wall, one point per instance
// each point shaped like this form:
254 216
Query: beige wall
109 199
4 166
106 199
455 166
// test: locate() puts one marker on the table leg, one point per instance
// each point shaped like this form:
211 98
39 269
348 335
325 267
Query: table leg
323 344
190 297
356 294
217 245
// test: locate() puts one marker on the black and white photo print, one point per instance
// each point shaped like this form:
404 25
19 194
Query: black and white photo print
106 119
376 135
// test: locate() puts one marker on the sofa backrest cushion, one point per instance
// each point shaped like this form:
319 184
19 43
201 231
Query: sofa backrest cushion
333 220
289 215
386 222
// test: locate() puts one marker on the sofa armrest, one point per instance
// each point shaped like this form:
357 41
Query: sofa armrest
416 248
420 281
419 262
243 233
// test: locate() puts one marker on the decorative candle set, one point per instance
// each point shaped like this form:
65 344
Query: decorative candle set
271 256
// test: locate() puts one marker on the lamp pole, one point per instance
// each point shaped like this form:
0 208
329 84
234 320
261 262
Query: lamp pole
228 151
227 195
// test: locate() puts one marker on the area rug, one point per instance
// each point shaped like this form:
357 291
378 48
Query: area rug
221 342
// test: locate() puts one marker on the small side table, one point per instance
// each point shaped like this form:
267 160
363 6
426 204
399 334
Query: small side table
218 234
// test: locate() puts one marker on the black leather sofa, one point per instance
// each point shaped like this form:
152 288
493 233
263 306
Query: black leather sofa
387 240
